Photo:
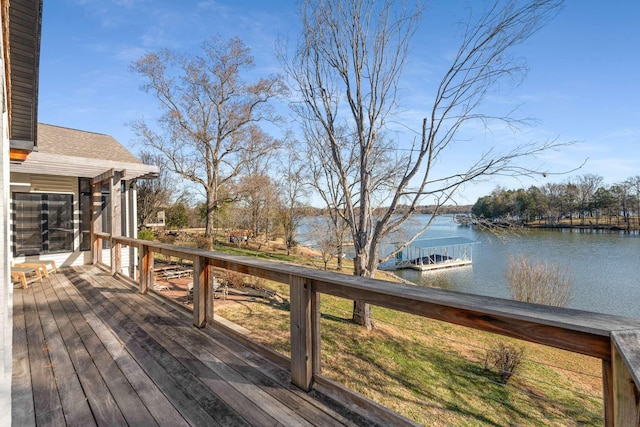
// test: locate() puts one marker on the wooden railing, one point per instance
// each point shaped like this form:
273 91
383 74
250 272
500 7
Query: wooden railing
612 339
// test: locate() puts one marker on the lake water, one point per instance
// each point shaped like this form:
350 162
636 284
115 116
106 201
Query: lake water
605 267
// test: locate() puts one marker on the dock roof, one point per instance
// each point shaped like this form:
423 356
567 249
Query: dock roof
442 241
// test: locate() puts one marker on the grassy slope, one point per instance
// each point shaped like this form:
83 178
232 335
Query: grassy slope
430 371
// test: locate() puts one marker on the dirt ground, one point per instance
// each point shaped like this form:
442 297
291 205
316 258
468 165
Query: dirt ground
177 289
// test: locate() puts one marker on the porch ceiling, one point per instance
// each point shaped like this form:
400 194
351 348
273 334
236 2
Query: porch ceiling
61 165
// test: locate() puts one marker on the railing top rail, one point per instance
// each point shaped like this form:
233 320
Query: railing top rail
575 330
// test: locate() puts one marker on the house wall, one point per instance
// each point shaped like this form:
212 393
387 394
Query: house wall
35 183
6 289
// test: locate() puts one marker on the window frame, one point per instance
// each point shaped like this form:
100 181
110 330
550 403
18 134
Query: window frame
53 239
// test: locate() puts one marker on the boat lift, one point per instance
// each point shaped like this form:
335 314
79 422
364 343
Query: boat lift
436 253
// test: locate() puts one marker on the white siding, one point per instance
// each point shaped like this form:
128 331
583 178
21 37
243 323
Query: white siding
63 259
54 184
125 258
6 289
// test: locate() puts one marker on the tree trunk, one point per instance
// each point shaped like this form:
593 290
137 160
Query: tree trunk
210 229
210 225
361 310
362 315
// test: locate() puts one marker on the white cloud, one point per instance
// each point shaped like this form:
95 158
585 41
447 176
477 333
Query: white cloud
129 53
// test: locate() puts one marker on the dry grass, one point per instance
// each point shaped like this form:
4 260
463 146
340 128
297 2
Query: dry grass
430 371
433 372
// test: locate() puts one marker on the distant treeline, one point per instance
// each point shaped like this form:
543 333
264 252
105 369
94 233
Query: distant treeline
429 209
582 201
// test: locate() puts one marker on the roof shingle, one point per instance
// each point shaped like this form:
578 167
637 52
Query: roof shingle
79 143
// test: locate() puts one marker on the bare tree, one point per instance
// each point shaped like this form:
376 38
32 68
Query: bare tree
323 177
293 192
257 203
346 70
257 193
634 184
553 193
323 239
209 126
540 283
153 195
587 185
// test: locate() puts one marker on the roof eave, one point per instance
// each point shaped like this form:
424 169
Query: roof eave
23 64
61 165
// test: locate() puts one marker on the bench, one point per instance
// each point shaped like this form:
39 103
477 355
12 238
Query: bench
176 274
20 274
216 285
40 265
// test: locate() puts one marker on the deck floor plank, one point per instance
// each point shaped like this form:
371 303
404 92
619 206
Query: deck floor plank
145 362
268 374
47 405
123 395
275 393
279 398
196 352
75 406
103 405
274 389
211 391
164 412
180 389
22 407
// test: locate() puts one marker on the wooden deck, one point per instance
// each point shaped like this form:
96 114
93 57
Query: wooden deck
89 350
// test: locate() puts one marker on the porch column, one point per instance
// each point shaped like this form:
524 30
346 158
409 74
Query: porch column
132 215
96 221
115 209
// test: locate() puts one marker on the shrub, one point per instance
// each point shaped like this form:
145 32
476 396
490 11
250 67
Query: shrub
169 239
202 242
540 283
145 234
505 359
258 283
235 279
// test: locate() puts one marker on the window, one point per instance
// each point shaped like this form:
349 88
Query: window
43 223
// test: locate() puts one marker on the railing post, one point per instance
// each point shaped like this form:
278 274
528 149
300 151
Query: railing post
146 268
315 333
625 362
96 250
208 290
607 392
302 359
202 297
116 257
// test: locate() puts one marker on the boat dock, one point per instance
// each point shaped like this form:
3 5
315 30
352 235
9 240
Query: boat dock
436 254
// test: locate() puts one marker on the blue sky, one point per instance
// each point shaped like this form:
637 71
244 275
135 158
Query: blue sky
583 84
